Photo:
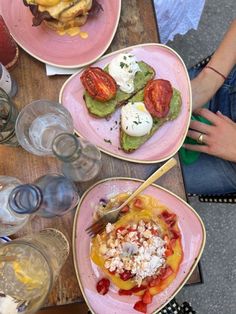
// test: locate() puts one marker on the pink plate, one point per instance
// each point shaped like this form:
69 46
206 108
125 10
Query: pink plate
88 274
105 134
64 51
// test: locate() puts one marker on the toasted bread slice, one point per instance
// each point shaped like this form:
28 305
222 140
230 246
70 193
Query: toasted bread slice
104 109
131 143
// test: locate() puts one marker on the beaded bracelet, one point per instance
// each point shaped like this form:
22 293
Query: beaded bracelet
216 71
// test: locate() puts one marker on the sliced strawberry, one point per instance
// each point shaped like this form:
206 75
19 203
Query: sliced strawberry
8 47
120 229
131 229
165 214
112 272
126 275
140 307
154 232
103 286
174 234
154 282
166 272
125 209
125 292
169 251
170 218
147 297
138 289
138 203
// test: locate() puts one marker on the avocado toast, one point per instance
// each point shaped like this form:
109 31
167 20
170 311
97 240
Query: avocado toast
131 143
105 109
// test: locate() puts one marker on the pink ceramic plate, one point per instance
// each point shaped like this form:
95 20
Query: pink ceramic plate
88 274
105 134
64 51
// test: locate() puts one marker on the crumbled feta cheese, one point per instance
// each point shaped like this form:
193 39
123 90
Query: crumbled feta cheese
128 250
109 227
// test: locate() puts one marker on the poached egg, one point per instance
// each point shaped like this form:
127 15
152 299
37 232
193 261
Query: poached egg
135 119
123 69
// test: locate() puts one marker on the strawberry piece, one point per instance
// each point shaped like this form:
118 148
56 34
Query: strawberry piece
174 234
125 209
154 232
125 292
126 275
166 272
170 218
154 282
103 286
140 307
138 289
138 203
147 297
120 229
8 47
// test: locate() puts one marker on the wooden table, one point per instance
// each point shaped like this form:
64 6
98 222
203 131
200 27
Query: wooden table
137 25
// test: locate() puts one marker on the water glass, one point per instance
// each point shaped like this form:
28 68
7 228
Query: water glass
39 123
8 116
29 267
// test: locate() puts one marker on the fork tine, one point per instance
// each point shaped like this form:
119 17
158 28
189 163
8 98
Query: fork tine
96 224
96 227
93 233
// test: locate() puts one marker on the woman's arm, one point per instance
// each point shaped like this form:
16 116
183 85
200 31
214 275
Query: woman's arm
205 85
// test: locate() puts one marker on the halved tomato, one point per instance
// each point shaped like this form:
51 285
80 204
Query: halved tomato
99 84
157 97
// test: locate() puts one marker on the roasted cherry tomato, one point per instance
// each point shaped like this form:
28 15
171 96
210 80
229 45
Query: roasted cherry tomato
157 97
99 84
140 307
103 286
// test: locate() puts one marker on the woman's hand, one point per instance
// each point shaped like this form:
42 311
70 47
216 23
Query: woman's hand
219 137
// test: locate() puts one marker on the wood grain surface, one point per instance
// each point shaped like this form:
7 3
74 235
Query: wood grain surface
137 25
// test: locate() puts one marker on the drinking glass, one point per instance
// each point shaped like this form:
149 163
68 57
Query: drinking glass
38 124
29 267
8 116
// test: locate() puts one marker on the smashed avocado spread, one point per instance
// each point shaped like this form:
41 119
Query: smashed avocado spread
104 109
130 143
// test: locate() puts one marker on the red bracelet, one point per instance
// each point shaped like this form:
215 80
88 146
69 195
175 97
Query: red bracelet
222 75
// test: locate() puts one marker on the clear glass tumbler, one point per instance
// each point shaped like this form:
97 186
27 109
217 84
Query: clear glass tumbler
8 116
29 267
10 221
39 123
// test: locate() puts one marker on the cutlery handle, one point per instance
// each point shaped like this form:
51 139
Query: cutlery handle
156 175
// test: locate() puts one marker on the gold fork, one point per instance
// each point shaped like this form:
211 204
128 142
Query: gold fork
113 214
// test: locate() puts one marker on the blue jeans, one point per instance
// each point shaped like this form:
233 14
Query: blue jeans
212 175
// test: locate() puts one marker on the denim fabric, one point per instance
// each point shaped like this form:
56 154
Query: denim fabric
212 175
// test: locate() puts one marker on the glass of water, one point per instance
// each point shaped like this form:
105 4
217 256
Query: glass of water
29 267
8 115
39 123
